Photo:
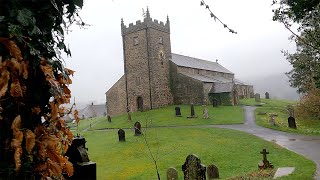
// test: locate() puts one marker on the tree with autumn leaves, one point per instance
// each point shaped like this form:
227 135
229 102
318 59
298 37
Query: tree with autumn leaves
34 87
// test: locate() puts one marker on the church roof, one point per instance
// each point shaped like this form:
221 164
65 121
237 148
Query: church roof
208 79
191 62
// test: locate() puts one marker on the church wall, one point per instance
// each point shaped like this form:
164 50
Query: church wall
244 91
116 98
186 90
206 89
204 72
137 69
159 54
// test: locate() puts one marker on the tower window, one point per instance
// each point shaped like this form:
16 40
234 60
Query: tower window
135 41
160 40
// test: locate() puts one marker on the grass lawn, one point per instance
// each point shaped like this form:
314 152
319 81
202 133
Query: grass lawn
166 117
272 106
234 153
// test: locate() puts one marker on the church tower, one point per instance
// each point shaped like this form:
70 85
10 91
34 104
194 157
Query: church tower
147 50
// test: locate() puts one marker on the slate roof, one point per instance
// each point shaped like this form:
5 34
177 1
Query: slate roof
92 111
191 62
209 79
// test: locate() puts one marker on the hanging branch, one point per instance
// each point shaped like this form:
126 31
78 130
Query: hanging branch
202 3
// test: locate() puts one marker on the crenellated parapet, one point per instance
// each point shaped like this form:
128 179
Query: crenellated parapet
147 23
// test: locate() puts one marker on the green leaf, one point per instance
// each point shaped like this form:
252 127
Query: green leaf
1 18
25 17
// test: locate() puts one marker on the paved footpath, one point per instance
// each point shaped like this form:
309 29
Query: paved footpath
308 146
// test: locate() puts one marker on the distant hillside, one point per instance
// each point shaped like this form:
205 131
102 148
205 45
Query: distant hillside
277 85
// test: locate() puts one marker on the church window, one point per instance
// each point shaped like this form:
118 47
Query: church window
160 40
135 41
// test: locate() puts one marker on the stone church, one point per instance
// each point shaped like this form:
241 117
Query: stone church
155 77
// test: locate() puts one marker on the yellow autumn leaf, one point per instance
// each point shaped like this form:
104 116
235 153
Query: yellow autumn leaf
30 140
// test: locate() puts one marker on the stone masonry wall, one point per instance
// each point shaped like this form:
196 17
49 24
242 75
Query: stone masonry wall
204 72
116 98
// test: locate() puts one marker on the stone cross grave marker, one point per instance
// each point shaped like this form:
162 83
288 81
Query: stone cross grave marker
205 113
178 111
137 129
192 112
267 95
212 172
264 164
257 97
193 169
172 174
109 118
122 135
292 122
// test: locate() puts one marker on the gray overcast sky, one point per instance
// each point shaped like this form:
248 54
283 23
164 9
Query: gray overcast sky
97 55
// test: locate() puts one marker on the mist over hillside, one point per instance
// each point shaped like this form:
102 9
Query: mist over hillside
277 85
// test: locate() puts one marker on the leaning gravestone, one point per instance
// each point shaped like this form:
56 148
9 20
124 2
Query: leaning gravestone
109 118
267 95
292 123
122 135
193 169
257 97
172 174
178 111
137 129
212 172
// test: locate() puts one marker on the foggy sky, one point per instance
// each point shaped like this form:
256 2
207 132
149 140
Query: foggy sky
97 55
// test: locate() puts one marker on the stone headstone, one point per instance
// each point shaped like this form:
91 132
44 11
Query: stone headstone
78 156
215 102
193 169
137 129
264 164
267 95
272 120
205 113
172 174
178 111
292 122
192 112
290 110
129 116
122 135
109 118
257 97
212 172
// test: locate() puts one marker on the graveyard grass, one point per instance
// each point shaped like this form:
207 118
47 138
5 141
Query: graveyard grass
234 153
166 117
279 107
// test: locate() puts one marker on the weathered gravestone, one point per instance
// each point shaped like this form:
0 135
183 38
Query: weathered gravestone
78 156
192 112
264 164
109 118
290 110
212 172
205 113
178 111
137 129
129 116
122 135
292 123
193 169
215 102
172 174
272 120
267 95
257 97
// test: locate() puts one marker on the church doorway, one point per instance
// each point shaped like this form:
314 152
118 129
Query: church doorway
140 103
